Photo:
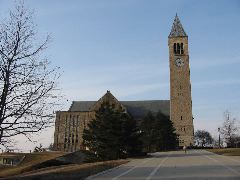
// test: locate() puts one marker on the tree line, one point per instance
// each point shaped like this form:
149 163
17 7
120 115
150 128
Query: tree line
114 134
228 134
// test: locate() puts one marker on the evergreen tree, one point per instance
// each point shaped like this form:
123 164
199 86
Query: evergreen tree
112 134
131 136
147 129
158 133
166 138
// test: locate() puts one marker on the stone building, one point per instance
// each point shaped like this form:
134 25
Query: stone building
69 125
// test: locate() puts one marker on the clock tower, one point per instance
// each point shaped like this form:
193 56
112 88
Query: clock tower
180 86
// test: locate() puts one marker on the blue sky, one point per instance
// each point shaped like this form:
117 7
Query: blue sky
121 46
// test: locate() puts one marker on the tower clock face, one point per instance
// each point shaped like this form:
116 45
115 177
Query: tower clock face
179 62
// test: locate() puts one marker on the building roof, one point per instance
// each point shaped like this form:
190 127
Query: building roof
137 109
81 106
177 29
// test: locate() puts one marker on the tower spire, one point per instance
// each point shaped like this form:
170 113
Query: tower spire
177 29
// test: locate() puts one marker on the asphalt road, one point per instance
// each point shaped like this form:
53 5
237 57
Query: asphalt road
196 165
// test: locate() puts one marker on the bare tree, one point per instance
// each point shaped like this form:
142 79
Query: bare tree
27 81
229 129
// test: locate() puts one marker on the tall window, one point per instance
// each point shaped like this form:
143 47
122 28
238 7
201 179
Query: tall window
175 48
73 121
76 138
181 48
178 48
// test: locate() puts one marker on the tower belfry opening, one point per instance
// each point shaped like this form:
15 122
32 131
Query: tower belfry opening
178 48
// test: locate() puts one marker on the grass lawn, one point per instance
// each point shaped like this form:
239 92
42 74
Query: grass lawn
71 171
74 170
29 161
27 169
226 151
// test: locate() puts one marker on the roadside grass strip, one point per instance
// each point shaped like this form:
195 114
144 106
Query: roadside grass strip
220 163
223 156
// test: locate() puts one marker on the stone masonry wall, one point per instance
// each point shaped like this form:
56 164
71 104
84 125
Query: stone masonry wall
69 128
180 93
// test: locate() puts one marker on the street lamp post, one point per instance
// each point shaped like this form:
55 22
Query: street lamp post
219 138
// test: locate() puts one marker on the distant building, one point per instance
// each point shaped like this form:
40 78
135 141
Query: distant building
11 159
69 125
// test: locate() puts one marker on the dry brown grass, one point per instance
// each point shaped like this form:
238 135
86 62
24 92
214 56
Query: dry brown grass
75 171
78 167
29 161
226 151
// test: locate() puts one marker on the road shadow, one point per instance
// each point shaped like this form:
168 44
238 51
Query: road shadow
205 172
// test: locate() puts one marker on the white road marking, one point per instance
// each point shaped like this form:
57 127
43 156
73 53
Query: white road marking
124 173
103 172
156 168
220 163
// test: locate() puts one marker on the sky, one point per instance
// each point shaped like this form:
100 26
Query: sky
122 46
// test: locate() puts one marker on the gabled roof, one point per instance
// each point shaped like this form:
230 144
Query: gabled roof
109 99
177 29
138 109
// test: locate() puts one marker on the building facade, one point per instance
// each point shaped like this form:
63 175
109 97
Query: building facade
69 125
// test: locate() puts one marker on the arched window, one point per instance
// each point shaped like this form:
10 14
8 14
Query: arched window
178 48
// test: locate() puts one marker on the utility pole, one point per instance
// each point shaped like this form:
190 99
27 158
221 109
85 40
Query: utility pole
219 138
